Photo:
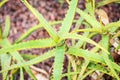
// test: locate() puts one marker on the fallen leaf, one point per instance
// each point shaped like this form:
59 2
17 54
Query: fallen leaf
102 16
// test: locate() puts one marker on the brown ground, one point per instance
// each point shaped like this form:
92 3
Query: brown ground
22 19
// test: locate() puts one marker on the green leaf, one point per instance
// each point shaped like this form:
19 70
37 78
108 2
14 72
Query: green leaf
42 20
86 54
58 62
79 22
97 30
0 33
99 67
82 38
83 68
3 2
87 73
105 2
69 74
88 17
94 23
90 6
5 63
28 56
21 74
112 27
7 27
80 43
36 60
105 43
75 36
44 43
90 56
36 27
66 24
25 35
69 70
72 60
17 56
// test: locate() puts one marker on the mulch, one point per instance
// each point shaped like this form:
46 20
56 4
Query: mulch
22 20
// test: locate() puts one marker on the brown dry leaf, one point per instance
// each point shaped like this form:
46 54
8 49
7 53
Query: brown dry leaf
40 73
114 42
97 75
41 77
119 51
102 16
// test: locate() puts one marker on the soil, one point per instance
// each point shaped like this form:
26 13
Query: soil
22 20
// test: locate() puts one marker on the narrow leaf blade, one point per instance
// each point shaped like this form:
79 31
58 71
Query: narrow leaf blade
44 43
90 56
58 64
83 38
105 43
41 19
69 17
38 59
5 63
21 74
88 18
7 27
18 57
3 2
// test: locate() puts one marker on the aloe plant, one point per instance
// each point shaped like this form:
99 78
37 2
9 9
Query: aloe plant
97 59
